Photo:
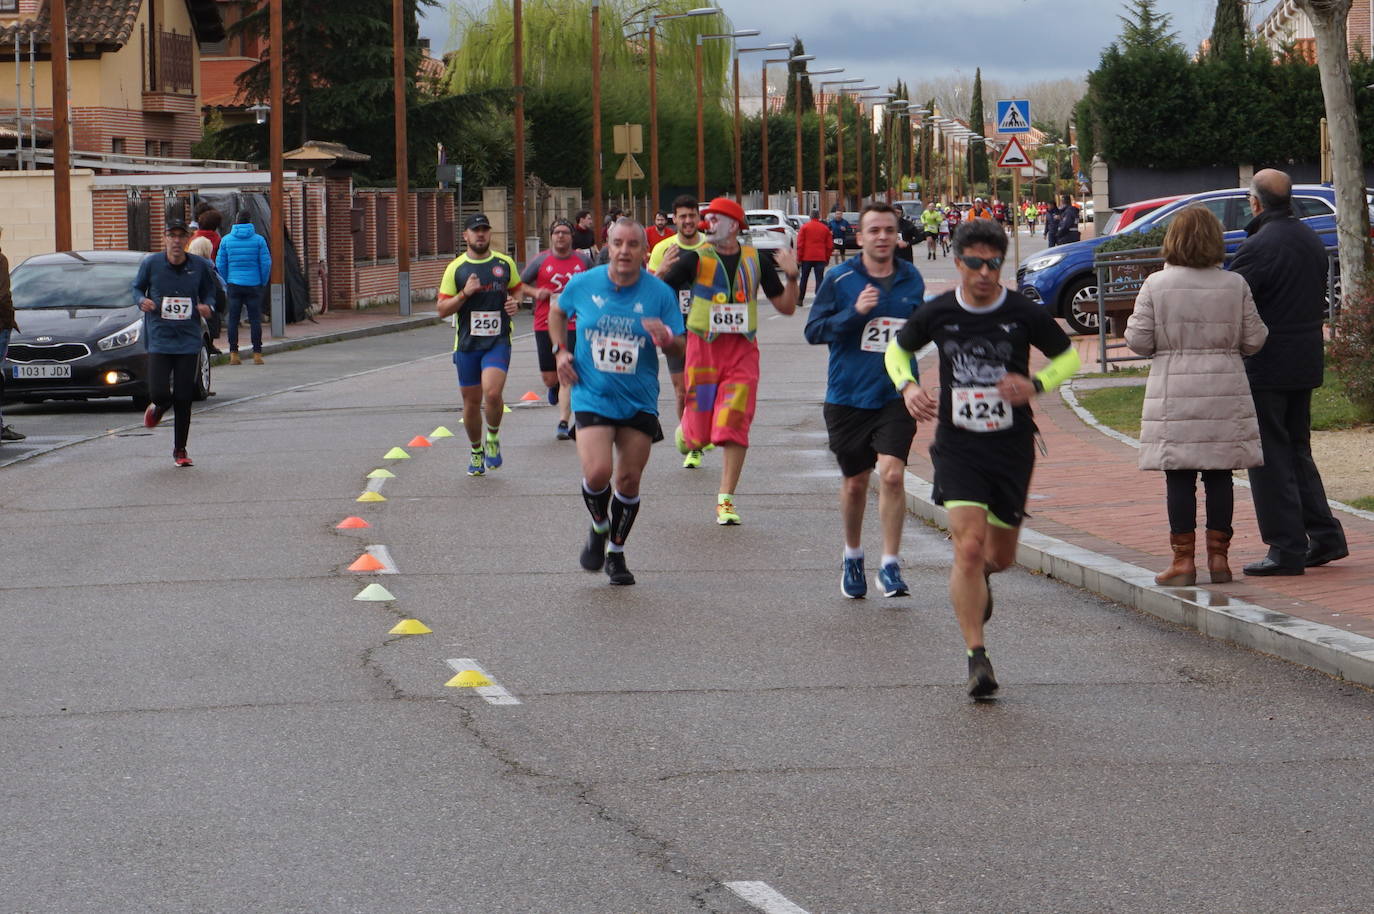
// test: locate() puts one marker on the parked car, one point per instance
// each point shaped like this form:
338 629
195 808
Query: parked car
1123 216
769 228
1062 278
797 220
82 335
912 209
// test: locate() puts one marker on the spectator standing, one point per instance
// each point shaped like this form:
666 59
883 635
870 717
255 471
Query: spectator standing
245 264
1284 262
814 243
1198 322
7 326
1066 222
909 234
584 238
208 223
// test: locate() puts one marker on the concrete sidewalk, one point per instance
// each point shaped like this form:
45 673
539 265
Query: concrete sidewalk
331 327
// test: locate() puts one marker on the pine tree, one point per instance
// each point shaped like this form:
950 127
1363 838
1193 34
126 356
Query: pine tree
977 121
796 74
1229 27
1147 27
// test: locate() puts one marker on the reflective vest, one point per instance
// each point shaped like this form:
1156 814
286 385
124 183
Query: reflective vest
714 287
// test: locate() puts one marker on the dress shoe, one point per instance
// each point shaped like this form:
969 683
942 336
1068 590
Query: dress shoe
1267 567
1320 555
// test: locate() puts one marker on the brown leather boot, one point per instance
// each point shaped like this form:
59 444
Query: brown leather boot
1183 571
1218 545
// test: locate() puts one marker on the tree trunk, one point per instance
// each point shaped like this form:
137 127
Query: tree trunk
1328 19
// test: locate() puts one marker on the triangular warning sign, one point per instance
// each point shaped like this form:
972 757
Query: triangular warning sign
1013 156
1012 121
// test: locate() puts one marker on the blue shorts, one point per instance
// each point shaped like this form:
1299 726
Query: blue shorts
472 364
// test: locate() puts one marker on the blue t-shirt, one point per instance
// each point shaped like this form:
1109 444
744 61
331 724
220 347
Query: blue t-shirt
615 358
174 326
857 375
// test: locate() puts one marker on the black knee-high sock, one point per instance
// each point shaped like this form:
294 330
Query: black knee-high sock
597 503
623 513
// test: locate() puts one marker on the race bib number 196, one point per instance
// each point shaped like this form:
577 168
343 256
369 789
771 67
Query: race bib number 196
176 309
729 318
615 354
980 409
485 323
879 332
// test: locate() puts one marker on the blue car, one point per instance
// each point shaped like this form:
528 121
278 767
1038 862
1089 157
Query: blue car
1062 278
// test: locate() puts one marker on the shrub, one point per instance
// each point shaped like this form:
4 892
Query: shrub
1351 350
1130 241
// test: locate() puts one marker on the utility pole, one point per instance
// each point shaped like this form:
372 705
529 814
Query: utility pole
519 60
61 136
398 45
596 116
277 199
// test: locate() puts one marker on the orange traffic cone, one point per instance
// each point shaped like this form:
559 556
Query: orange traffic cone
352 523
419 441
366 562
530 397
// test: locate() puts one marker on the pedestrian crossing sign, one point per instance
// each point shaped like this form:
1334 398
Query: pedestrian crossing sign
1013 155
1013 116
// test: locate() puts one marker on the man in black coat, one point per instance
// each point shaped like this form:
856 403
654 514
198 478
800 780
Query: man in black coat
1284 262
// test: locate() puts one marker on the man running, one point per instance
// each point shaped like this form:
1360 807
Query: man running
624 317
839 229
931 217
984 450
477 287
174 292
662 228
548 275
722 352
687 218
859 309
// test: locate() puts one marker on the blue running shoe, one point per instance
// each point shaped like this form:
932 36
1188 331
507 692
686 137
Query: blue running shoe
890 581
475 465
553 396
492 450
853 583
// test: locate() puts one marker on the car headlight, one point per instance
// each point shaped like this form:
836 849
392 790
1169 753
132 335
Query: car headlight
1036 264
121 338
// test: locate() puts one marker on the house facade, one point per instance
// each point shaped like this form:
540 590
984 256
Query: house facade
1285 24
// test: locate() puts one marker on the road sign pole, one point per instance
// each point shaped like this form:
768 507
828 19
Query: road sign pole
1015 208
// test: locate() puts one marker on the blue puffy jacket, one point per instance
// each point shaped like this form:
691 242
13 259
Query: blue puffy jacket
243 257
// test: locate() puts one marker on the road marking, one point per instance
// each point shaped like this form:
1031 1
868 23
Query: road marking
762 896
383 555
375 485
494 693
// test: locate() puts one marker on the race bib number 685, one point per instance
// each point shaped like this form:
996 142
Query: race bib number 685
729 318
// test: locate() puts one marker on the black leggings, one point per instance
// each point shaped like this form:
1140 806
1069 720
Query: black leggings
1181 486
172 382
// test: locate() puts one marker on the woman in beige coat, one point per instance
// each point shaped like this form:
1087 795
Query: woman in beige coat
1197 321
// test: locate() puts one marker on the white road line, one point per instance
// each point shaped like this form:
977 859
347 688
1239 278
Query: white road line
383 555
375 485
494 693
762 896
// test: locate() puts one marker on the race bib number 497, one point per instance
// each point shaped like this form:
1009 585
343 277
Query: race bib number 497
176 309
485 323
980 409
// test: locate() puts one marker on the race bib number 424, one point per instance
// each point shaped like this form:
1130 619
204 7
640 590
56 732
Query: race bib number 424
729 318
176 309
485 323
615 354
980 409
879 332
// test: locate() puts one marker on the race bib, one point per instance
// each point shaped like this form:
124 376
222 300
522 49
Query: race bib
485 323
684 301
980 409
729 318
176 309
879 332
615 354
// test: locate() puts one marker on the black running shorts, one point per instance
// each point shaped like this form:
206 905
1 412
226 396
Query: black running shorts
640 422
858 436
543 345
994 470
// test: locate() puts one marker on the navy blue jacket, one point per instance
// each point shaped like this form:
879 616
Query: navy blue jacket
159 278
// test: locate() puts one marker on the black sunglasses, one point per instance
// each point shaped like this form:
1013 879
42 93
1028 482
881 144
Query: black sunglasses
977 263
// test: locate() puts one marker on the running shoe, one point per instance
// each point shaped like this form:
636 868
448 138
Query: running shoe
890 581
180 458
681 440
726 514
594 552
553 396
476 465
692 461
616 570
853 583
563 434
981 681
493 451
153 415
8 433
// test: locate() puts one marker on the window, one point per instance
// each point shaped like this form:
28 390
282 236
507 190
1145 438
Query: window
117 145
150 148
9 6
167 151
1307 207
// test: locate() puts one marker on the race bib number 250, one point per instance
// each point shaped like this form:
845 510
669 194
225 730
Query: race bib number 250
485 323
980 409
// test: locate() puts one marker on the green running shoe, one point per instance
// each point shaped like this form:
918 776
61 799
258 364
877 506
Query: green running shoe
476 465
692 461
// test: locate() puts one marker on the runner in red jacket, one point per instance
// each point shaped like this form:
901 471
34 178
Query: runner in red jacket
814 242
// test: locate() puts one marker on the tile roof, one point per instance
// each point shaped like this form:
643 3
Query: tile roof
110 23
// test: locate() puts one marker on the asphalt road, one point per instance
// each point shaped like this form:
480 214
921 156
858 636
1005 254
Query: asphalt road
196 715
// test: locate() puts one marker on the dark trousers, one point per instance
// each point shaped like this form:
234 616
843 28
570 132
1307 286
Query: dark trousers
808 267
1181 490
1290 501
172 382
241 297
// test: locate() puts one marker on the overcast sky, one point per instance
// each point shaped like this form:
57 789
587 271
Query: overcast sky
1013 41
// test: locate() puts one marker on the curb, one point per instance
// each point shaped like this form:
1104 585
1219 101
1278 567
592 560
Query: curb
1322 647
424 319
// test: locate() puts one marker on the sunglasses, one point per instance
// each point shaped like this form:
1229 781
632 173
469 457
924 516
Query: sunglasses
977 263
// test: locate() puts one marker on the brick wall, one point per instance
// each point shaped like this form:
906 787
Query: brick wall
94 129
1357 27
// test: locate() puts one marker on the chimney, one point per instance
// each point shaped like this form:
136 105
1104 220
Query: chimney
424 46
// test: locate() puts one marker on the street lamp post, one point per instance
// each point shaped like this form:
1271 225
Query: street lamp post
839 144
653 93
399 83
701 109
796 98
739 166
518 62
596 110
859 146
891 113
820 133
277 192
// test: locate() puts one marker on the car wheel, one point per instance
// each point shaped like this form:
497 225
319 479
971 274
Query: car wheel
1080 305
203 375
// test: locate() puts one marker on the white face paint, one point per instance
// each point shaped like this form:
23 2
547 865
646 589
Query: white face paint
721 228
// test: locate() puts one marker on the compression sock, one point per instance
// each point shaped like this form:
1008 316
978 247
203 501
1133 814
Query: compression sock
597 504
623 513
979 651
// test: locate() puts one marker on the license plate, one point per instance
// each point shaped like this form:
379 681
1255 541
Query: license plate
22 372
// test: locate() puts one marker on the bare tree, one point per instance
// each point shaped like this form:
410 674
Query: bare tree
1328 19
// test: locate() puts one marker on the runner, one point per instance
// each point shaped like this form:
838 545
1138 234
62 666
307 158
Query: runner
859 309
722 353
548 275
174 292
931 219
839 228
584 236
954 216
662 228
478 287
984 450
687 218
624 317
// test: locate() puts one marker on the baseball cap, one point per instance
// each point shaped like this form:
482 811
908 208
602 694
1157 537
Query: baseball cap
724 206
176 225
477 220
